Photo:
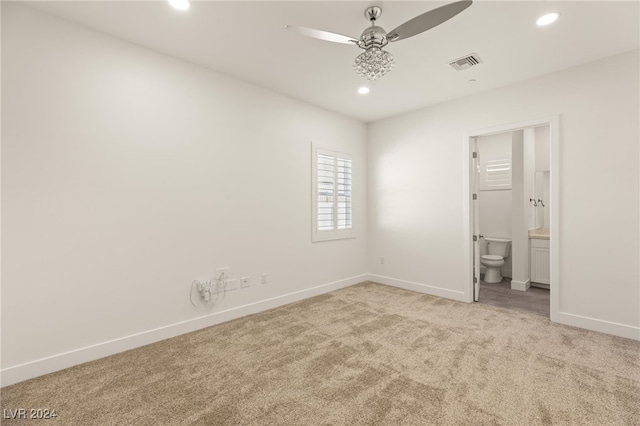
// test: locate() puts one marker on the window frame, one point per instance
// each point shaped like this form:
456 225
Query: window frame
335 233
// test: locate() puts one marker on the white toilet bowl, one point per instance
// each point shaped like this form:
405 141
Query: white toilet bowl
499 249
493 263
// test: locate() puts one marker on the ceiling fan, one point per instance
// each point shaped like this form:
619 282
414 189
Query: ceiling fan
374 62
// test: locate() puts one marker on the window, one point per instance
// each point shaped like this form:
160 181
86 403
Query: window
332 195
495 173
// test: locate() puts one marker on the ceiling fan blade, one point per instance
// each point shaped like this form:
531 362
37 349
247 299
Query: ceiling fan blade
322 35
427 20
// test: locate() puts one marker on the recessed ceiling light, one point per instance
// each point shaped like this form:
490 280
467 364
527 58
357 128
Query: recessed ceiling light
547 19
363 90
180 4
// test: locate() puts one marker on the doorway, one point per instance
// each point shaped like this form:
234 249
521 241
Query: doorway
473 241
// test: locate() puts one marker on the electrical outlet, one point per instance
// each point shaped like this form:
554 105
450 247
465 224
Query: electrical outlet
382 260
264 279
232 284
245 282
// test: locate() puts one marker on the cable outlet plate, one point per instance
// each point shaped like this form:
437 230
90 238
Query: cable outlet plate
245 282
264 279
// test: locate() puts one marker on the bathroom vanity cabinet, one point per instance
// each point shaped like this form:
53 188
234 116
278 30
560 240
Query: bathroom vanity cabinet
540 261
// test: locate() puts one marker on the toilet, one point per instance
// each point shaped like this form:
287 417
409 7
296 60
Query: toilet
498 250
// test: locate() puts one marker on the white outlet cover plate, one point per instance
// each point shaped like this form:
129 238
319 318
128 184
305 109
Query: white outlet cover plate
232 284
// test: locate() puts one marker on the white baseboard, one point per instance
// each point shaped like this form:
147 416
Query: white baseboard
617 329
421 288
520 285
29 370
18 373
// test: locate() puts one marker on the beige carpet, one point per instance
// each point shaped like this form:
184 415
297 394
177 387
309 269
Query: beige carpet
367 354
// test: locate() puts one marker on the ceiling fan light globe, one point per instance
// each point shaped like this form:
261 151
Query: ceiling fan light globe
373 63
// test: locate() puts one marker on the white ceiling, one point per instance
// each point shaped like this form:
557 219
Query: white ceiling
247 40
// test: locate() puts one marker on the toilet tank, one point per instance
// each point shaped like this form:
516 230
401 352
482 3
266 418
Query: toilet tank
498 246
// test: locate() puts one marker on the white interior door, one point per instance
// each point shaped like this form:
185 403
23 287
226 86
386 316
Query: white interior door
475 185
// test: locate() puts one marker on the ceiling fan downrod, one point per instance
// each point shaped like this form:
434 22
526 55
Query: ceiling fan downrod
374 36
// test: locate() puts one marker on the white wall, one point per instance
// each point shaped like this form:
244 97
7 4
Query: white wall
529 141
523 167
495 205
495 213
127 174
542 156
543 150
416 189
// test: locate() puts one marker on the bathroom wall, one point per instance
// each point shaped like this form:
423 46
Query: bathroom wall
523 154
495 205
542 165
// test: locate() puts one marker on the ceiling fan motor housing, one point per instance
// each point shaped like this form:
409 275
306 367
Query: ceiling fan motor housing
373 36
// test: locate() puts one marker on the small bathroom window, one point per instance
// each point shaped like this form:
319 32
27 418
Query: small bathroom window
495 173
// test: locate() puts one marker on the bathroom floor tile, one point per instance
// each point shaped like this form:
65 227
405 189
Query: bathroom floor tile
534 301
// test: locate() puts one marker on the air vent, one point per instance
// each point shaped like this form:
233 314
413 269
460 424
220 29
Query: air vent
465 62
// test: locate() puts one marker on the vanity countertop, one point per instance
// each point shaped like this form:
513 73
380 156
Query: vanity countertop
539 233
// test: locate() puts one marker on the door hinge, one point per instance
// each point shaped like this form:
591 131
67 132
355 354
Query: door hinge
475 238
475 280
474 155
475 196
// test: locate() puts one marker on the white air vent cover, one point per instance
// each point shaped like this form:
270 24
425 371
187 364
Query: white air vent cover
465 62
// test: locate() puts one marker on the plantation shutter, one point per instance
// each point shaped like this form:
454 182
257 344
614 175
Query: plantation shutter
326 192
333 195
495 173
344 193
